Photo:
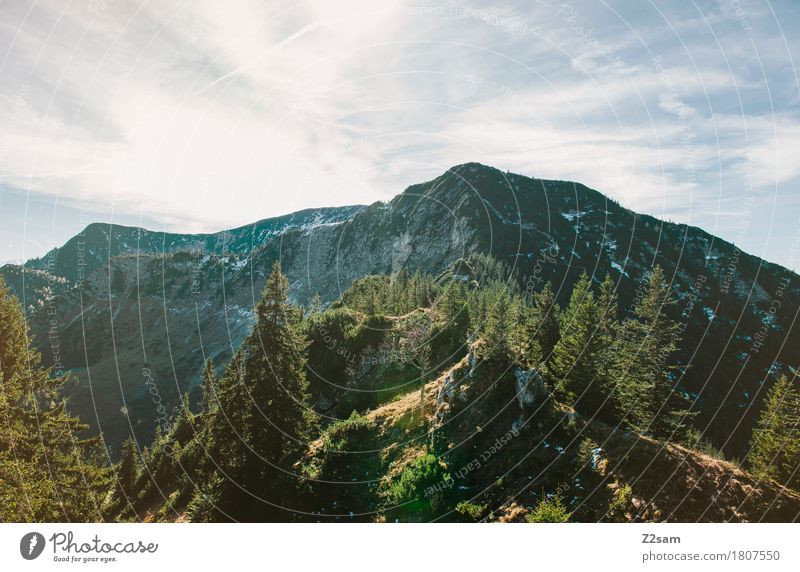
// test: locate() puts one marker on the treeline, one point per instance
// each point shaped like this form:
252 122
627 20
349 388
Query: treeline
620 370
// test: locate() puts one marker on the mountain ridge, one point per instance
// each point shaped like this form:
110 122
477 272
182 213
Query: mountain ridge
546 230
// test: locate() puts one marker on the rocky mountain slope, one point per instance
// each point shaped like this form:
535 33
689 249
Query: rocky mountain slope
506 449
140 310
97 243
481 440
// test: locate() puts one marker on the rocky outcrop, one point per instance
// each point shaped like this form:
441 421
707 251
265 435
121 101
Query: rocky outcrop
530 387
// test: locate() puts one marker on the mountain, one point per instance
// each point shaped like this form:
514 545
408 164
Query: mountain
137 323
99 242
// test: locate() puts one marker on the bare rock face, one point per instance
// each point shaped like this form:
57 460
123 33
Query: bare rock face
472 359
529 385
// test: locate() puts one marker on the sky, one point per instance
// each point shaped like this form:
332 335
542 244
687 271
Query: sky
201 115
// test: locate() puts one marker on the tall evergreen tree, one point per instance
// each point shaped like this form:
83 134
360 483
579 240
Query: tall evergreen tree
607 307
127 471
574 367
499 321
128 466
208 387
264 402
645 378
182 428
218 496
452 316
775 446
47 473
548 316
608 329
527 348
315 308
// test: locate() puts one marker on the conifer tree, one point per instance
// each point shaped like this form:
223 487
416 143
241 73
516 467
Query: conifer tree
608 328
208 387
548 317
127 469
218 496
644 376
574 367
607 307
452 316
315 308
47 473
499 320
525 338
264 419
182 428
775 445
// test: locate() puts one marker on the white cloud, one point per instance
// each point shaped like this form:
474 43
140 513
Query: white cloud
207 114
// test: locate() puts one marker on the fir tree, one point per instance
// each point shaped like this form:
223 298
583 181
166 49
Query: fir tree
607 331
645 378
218 496
315 308
775 445
452 316
527 349
182 428
207 385
127 470
577 356
264 402
498 325
548 317
47 473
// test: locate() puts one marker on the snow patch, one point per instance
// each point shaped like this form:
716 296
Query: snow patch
572 215
618 267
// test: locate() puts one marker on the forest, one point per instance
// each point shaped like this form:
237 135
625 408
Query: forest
467 396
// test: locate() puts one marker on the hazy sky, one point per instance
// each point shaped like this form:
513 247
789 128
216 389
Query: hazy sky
200 115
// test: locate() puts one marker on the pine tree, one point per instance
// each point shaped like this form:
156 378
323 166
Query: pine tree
47 473
527 349
499 320
644 376
607 307
264 419
315 308
207 386
775 445
127 469
182 428
607 331
218 496
577 356
548 317
452 316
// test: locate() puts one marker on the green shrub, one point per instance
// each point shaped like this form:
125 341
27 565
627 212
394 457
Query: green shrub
470 510
336 436
550 510
620 500
411 487
694 440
